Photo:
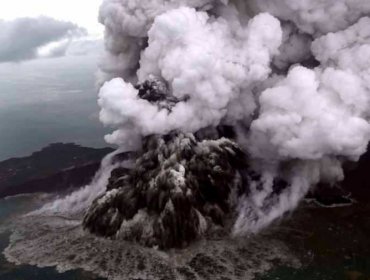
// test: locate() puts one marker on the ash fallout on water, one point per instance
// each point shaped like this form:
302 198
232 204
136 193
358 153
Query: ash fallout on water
231 111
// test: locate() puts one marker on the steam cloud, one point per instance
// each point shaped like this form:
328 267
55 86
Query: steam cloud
291 77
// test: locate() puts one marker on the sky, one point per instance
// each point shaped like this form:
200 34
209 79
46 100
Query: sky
35 29
49 51
81 12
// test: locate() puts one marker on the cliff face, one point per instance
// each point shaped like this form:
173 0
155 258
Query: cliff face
57 167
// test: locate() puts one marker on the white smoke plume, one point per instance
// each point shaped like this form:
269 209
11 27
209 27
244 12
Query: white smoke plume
209 73
318 116
316 17
291 76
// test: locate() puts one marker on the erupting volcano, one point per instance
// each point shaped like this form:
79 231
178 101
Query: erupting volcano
226 114
235 109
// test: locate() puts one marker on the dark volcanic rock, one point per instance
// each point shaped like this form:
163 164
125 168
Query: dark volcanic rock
354 187
178 189
54 168
357 179
156 91
327 195
119 177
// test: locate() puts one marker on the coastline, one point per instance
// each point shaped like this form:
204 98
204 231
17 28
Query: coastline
57 168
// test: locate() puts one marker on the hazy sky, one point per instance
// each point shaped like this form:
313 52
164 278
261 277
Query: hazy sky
81 12
47 94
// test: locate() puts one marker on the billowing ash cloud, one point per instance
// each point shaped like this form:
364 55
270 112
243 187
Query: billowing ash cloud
291 79
316 16
21 38
210 73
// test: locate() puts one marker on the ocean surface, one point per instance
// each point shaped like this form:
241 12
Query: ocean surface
46 101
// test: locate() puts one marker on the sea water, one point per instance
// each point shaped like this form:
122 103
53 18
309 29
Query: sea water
46 101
